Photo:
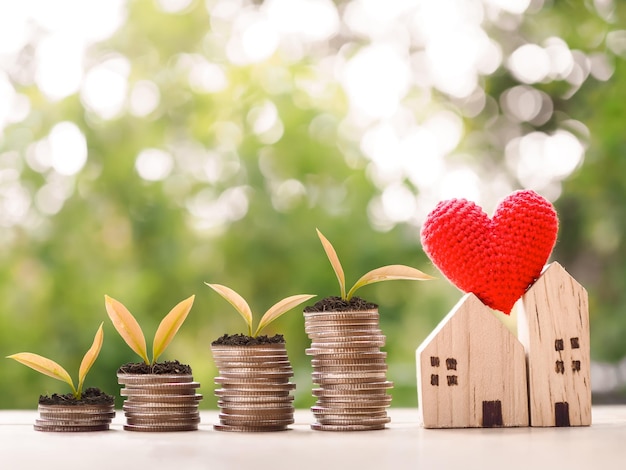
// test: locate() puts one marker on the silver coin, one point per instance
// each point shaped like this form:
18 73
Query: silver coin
237 408
131 394
134 392
372 361
56 428
349 368
378 417
346 340
251 361
355 402
221 392
255 403
78 416
164 386
244 428
333 393
254 421
347 411
132 404
347 344
325 334
343 353
328 351
282 398
344 328
265 419
164 398
162 421
161 411
341 323
71 423
350 421
162 414
349 427
254 386
252 365
350 374
151 428
332 332
359 386
144 379
236 362
246 374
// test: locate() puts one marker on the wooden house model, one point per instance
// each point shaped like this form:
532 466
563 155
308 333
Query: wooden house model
553 326
471 371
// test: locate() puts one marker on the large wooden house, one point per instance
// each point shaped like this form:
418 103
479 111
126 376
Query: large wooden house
471 371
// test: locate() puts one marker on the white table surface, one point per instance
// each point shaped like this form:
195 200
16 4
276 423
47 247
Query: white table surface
403 445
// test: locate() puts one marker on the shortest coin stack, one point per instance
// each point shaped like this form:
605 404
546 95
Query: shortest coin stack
74 418
160 402
255 388
350 369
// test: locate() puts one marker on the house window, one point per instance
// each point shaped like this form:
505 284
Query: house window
558 345
574 342
452 380
560 367
451 363
434 380
434 361
575 366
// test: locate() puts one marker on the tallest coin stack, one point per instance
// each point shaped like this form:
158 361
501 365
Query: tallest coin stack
350 369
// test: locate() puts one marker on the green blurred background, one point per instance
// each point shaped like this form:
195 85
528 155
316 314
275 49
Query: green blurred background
148 146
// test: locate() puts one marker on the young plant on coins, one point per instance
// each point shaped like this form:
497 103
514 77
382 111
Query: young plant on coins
348 364
254 371
81 410
161 396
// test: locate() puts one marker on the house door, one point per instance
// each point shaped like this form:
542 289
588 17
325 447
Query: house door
561 414
492 414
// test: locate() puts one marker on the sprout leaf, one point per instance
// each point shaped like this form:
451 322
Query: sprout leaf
389 273
334 261
45 366
169 327
281 308
127 327
236 301
89 359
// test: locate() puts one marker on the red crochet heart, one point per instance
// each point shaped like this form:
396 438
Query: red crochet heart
496 259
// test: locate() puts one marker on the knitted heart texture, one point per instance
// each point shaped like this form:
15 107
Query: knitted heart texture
496 259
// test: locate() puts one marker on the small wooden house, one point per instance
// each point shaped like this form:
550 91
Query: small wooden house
553 326
471 371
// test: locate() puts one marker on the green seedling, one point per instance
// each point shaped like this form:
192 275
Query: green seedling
278 309
130 331
386 273
54 370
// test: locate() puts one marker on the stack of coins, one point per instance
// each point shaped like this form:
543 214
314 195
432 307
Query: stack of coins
255 388
160 403
74 418
350 369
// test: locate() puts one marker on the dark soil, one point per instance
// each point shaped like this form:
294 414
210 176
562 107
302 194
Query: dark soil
243 340
337 304
90 396
167 367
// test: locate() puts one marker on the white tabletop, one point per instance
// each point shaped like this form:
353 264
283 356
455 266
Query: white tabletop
403 445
